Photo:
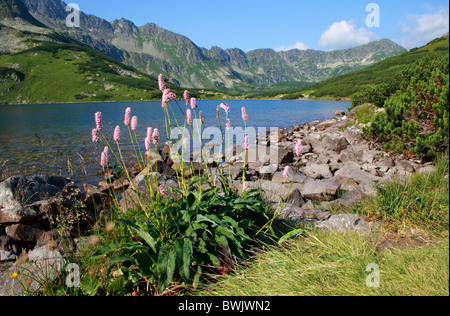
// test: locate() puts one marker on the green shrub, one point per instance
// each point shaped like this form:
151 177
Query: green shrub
416 121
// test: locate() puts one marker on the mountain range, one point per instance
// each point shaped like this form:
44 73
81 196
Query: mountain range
153 50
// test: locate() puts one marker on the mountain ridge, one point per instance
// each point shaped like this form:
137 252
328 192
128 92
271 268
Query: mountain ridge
153 50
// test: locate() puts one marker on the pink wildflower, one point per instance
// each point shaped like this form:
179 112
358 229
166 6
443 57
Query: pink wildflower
95 138
286 172
127 117
193 103
245 186
149 133
225 107
148 142
167 97
244 115
106 153
189 117
228 124
298 148
98 121
186 97
162 82
117 134
103 160
155 137
134 122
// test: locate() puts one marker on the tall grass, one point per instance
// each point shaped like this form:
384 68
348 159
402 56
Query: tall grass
335 265
419 200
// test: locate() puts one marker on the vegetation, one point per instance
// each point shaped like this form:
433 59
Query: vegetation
345 86
416 116
411 250
67 72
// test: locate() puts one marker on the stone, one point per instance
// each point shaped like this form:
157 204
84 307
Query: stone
354 173
297 177
351 197
334 142
268 169
29 232
404 165
339 113
189 169
277 192
427 169
299 215
348 223
317 171
21 197
321 190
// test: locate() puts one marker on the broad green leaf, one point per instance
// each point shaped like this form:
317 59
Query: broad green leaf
106 250
144 235
166 266
90 284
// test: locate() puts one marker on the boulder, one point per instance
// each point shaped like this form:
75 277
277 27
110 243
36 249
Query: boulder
350 198
317 171
21 198
303 215
334 142
29 232
405 166
348 223
321 190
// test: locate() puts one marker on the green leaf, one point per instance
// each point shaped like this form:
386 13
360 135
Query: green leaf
291 234
90 284
144 235
106 250
116 285
166 266
187 254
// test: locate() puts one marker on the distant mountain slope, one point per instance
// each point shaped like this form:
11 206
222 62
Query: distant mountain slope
383 72
14 12
154 50
44 66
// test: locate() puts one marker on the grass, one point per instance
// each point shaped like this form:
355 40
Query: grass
335 265
411 250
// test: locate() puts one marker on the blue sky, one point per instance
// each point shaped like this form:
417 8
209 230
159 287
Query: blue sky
283 24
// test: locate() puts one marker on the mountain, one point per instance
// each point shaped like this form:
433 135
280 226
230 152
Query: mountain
40 65
154 50
383 72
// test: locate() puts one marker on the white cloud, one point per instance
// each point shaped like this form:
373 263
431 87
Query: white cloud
419 30
298 45
345 34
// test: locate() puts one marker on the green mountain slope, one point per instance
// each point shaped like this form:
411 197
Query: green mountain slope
153 50
382 72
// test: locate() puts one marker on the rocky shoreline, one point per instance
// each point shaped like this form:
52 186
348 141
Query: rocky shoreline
50 218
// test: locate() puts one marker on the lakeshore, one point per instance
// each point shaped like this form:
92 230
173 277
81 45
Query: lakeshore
337 169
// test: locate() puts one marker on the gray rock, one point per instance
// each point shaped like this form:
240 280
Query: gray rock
268 169
354 173
347 223
317 171
29 232
21 198
321 190
427 169
334 142
404 165
304 215
351 198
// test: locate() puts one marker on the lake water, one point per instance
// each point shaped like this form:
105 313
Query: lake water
56 138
